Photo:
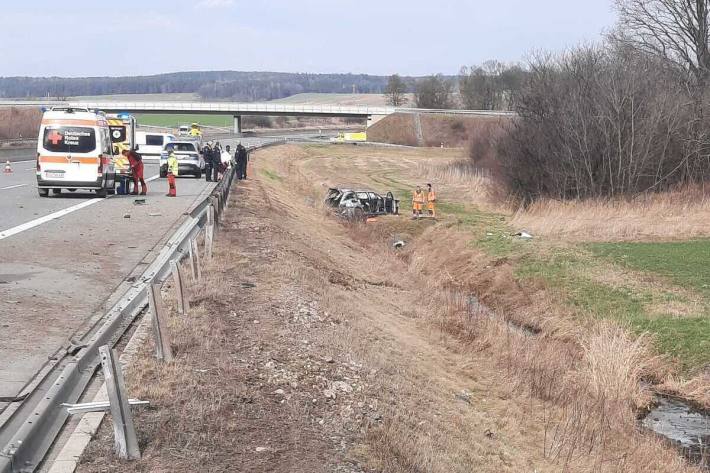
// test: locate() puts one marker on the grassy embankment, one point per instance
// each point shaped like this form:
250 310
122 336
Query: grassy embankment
658 287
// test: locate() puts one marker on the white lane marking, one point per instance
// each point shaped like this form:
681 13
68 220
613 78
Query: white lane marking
12 187
47 218
53 216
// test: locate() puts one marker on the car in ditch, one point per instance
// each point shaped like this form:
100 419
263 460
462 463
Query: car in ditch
361 204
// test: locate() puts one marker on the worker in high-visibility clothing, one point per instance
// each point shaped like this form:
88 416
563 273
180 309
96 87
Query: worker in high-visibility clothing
431 201
417 203
173 169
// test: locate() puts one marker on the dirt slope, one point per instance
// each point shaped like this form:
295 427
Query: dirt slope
451 130
313 347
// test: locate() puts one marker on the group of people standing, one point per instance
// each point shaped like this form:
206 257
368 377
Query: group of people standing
420 199
218 160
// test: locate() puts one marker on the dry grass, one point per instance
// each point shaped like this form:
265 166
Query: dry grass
679 214
16 122
587 375
441 382
452 131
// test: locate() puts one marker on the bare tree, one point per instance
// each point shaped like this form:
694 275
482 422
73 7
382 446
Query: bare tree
434 92
599 122
675 30
678 32
396 91
490 86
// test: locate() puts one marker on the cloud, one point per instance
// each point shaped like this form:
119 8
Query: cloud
215 4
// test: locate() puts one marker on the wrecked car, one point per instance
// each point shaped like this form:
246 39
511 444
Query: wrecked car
361 204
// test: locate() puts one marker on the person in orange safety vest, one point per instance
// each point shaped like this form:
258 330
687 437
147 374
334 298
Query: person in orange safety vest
417 202
431 201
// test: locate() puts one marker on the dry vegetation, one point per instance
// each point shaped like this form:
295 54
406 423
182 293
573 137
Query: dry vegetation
319 345
19 122
453 131
679 214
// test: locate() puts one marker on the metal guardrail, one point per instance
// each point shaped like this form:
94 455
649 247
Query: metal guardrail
29 432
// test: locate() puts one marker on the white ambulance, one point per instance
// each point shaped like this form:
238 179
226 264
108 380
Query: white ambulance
74 151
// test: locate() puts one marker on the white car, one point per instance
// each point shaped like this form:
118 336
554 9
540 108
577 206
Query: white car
189 158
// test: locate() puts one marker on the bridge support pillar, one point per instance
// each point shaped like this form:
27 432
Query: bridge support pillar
372 119
238 125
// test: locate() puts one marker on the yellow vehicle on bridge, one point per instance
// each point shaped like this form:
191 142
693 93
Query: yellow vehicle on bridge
195 130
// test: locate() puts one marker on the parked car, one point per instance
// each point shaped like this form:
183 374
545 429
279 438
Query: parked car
360 204
187 152
152 144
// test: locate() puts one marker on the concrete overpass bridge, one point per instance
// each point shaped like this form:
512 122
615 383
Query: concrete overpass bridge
238 110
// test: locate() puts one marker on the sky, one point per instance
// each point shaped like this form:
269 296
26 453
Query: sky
76 38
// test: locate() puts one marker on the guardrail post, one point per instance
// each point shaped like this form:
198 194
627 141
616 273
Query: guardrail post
183 302
163 351
195 261
209 232
125 440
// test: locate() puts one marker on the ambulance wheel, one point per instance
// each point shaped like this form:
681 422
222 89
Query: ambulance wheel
163 174
101 193
56 191
112 191
198 175
43 192
71 190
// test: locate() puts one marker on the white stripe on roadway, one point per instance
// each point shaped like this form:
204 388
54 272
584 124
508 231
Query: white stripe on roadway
47 218
53 216
12 187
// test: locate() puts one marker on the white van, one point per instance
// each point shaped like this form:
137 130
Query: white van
151 144
74 152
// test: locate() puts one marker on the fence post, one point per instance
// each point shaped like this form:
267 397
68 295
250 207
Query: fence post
182 299
125 440
162 336
195 261
209 232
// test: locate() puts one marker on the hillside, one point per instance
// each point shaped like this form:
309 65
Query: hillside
232 85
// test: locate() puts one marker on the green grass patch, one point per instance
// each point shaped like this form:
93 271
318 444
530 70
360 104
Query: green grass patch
568 273
686 263
171 120
272 175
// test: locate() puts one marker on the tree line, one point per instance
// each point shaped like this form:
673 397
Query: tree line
223 85
492 85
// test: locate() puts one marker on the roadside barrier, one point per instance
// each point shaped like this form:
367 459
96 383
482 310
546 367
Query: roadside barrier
30 426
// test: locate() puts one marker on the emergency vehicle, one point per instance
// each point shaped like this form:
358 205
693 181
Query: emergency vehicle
123 137
74 151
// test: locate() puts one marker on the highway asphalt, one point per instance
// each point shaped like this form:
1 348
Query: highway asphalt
56 274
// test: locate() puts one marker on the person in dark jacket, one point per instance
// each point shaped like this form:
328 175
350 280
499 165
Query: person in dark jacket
242 158
207 156
216 161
